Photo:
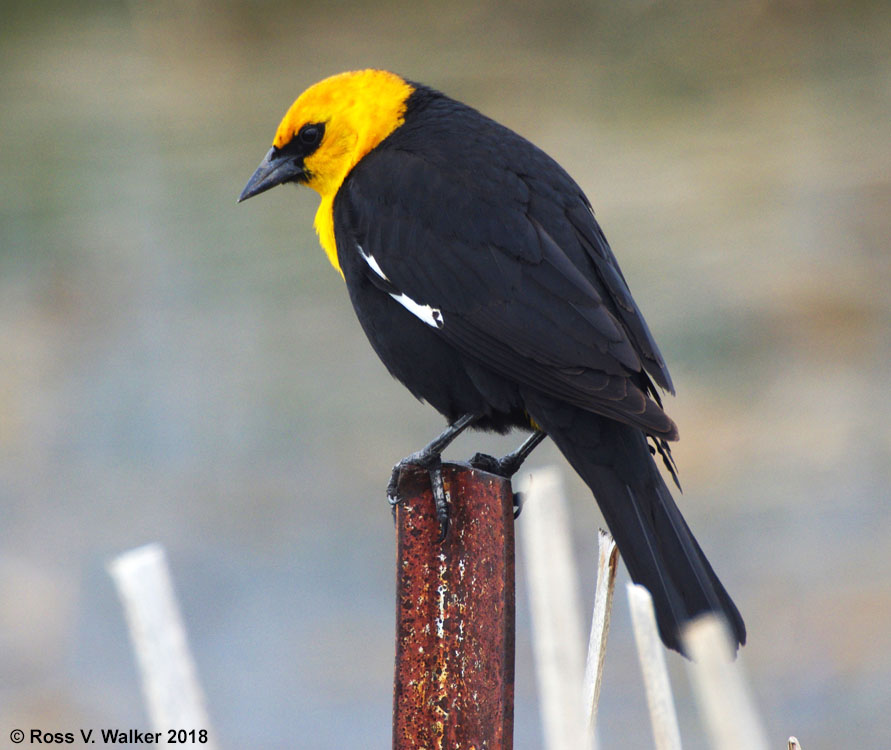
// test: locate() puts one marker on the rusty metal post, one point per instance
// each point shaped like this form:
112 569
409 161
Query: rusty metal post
454 682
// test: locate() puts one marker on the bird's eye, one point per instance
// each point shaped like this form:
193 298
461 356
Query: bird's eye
310 135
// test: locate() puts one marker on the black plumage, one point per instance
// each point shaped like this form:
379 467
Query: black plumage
485 285
467 217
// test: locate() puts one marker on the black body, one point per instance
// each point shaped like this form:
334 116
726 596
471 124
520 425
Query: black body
465 216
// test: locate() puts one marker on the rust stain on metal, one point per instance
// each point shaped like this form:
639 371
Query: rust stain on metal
454 681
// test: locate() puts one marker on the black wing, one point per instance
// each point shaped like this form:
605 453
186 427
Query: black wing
518 271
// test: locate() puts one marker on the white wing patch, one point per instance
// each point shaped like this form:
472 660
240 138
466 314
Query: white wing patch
372 263
432 316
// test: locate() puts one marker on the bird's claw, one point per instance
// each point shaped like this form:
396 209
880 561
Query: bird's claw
440 503
433 464
393 488
518 504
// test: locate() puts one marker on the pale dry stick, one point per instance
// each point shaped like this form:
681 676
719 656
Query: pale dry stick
720 689
556 613
651 653
607 564
794 744
169 679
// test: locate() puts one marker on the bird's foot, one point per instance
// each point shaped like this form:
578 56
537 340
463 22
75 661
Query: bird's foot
423 458
503 467
432 462
510 464
430 458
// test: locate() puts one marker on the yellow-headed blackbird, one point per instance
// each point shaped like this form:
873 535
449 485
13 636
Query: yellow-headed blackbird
485 284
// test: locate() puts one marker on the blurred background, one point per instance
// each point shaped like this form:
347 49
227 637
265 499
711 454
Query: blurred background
177 368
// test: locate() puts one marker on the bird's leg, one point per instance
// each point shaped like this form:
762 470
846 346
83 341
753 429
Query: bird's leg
509 464
429 457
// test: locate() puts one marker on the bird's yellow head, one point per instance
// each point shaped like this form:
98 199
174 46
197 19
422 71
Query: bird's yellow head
325 133
353 112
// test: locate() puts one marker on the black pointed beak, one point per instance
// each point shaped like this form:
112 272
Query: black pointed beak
275 169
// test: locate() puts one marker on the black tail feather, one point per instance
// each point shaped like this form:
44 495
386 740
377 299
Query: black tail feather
658 547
